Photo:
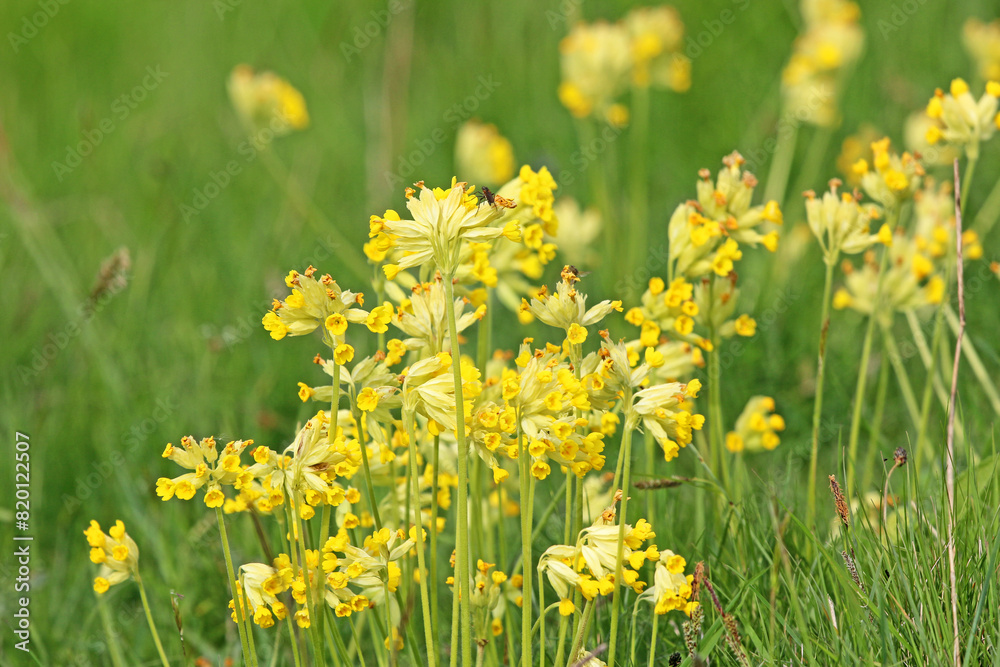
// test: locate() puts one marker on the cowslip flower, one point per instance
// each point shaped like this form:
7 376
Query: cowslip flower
934 228
210 468
595 61
578 232
482 154
665 409
357 577
757 427
716 298
840 222
892 179
830 43
657 37
670 589
443 220
262 584
566 308
962 120
115 551
265 100
911 281
422 315
982 42
705 233
315 303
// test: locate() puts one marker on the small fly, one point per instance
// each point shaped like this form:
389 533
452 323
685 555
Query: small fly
495 200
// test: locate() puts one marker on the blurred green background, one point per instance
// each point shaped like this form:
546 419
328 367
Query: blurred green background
180 349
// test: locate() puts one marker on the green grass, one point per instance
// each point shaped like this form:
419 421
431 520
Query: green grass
181 349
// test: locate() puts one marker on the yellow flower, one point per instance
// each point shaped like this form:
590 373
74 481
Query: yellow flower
576 334
367 400
343 354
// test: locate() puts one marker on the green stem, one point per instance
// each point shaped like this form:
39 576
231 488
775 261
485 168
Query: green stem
588 609
876 428
295 644
639 194
824 330
969 354
988 213
116 650
970 171
652 641
421 563
622 519
369 486
435 461
866 349
715 430
526 525
925 402
149 619
781 165
462 556
237 600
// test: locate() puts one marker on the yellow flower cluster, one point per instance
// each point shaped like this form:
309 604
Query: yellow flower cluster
705 233
482 154
600 60
589 565
756 428
115 551
830 43
264 100
960 119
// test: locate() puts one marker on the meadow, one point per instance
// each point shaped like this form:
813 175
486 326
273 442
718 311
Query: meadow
729 429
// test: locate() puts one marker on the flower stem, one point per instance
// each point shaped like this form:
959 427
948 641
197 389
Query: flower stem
866 349
462 556
626 474
652 641
435 461
781 165
639 181
149 619
237 600
582 632
112 638
824 329
295 644
421 563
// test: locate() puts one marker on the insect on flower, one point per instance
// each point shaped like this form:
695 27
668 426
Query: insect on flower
495 200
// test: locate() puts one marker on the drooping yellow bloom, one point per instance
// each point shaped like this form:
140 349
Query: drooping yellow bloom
482 154
596 64
705 234
115 551
982 42
264 100
839 222
960 119
830 43
657 37
757 427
